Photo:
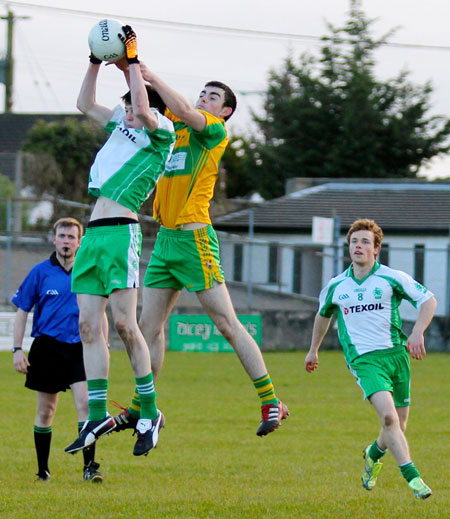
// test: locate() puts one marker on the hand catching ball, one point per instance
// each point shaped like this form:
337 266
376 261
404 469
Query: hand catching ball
104 40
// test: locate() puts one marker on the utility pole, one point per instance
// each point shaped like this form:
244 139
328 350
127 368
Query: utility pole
251 235
447 295
7 65
336 245
7 78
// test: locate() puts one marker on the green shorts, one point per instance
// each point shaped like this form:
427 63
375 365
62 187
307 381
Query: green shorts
384 370
185 259
108 259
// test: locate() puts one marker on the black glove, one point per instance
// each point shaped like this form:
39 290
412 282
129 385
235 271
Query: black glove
93 59
130 43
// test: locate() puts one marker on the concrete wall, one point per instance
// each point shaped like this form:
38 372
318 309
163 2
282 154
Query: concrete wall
292 331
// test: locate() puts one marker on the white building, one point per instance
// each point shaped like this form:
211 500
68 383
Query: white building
414 216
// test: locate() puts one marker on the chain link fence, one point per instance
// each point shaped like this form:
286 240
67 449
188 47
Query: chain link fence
271 263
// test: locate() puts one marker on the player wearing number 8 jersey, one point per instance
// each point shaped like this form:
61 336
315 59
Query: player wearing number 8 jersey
366 299
368 310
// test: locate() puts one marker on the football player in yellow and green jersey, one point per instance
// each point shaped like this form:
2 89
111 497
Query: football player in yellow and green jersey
184 192
186 252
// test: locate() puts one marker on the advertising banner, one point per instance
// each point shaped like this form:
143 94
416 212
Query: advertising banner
198 333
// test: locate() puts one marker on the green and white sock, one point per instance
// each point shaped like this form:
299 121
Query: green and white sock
97 391
375 452
409 471
147 396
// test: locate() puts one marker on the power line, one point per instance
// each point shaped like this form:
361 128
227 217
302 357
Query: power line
216 29
36 70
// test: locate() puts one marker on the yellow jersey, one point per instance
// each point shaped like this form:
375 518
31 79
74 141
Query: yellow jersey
184 192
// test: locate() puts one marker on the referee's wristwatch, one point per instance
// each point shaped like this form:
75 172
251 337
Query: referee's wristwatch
16 348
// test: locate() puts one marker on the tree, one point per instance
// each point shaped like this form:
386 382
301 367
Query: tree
330 116
7 192
59 156
238 179
57 161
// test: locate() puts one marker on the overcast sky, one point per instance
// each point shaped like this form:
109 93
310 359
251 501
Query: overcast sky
187 43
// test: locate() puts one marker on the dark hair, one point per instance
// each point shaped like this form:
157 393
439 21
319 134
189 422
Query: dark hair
230 98
68 222
154 99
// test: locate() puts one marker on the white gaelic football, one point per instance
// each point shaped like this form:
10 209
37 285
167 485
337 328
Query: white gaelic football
104 41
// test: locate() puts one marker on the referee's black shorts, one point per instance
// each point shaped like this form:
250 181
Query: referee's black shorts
54 365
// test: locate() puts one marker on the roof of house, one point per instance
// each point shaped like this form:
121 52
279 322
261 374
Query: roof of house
398 207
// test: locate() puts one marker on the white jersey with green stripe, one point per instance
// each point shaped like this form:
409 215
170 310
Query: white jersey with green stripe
128 166
367 309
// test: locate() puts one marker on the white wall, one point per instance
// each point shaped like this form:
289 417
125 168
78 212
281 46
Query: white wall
401 257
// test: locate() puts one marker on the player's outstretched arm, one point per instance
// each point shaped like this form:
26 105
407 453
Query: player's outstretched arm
20 360
416 343
139 98
320 328
176 103
86 101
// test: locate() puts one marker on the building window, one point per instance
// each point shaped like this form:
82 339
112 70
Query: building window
297 272
419 263
383 256
273 263
238 261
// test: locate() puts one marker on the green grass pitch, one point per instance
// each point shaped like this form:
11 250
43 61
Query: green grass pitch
209 463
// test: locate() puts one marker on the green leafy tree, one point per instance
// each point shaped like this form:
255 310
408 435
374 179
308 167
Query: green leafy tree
7 192
329 116
58 158
238 178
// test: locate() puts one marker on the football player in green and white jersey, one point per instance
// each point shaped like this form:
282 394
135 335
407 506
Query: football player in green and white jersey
122 177
366 298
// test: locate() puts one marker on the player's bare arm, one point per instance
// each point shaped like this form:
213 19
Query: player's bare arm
320 328
86 101
139 99
176 103
416 343
20 360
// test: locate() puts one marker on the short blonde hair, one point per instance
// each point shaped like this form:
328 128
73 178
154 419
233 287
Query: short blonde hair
366 225
68 222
